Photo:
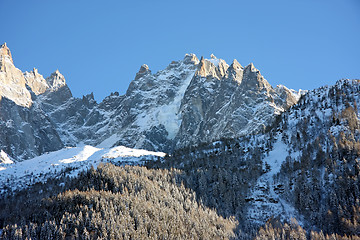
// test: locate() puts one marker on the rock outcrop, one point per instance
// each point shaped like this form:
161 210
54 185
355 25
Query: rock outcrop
229 101
25 129
36 82
12 80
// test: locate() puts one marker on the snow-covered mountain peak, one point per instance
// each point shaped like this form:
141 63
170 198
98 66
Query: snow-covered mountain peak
254 81
190 58
228 101
56 81
144 70
235 72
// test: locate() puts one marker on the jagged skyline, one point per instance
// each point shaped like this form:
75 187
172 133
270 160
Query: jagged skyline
162 107
301 45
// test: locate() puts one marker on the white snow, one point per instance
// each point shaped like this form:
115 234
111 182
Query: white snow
73 160
83 155
276 157
122 151
267 202
4 158
296 94
8 59
167 114
109 142
214 61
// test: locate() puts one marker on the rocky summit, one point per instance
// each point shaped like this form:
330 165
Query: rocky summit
189 102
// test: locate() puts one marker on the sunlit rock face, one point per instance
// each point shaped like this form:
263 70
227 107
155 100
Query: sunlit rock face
225 101
36 82
25 129
12 80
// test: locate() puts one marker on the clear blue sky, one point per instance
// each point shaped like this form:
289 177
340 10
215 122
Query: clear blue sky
100 45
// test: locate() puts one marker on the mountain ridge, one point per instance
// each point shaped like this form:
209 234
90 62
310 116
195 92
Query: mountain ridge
260 154
157 111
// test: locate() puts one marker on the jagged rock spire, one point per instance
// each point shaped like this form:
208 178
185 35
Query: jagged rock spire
144 69
56 80
236 65
12 82
202 68
191 59
213 67
36 81
5 52
235 72
251 68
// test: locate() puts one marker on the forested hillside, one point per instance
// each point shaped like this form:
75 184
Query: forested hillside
298 179
314 179
112 203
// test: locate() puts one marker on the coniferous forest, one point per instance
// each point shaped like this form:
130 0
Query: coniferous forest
205 191
113 203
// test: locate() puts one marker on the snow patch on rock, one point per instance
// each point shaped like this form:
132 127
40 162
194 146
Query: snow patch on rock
4 158
265 202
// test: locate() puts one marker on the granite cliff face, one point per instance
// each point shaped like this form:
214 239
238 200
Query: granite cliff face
12 80
189 102
25 129
229 101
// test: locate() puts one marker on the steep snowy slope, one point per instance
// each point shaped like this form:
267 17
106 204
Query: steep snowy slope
306 167
151 106
322 182
69 161
315 141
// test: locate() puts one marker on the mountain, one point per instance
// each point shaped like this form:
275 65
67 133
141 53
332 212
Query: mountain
25 129
306 167
224 101
179 105
274 163
176 107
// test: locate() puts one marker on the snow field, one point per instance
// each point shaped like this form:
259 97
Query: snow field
18 175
